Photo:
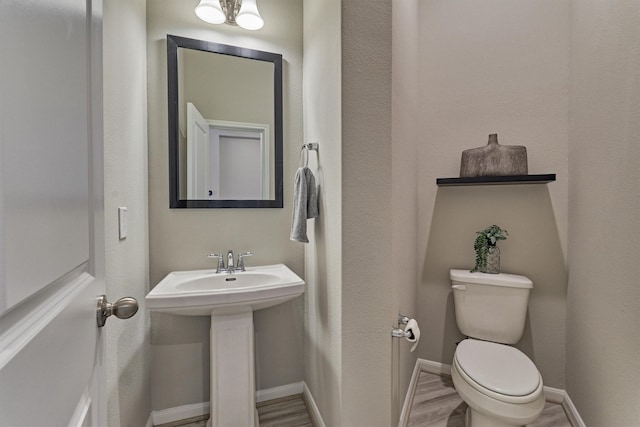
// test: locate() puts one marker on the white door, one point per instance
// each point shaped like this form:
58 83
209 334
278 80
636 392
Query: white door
239 159
197 155
240 168
51 225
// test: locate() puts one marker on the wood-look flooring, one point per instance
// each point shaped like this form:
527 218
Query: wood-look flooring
289 411
435 404
285 412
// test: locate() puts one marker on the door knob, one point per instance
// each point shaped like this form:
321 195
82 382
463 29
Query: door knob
124 308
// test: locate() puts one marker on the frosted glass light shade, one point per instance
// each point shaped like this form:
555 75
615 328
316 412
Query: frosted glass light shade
210 11
249 18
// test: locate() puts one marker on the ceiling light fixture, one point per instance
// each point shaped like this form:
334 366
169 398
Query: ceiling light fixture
233 12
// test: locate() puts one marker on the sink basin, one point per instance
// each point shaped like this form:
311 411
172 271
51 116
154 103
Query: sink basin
205 292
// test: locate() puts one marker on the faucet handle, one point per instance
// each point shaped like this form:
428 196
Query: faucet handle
241 256
220 261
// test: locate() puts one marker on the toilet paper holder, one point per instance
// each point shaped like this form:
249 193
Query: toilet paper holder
399 332
403 319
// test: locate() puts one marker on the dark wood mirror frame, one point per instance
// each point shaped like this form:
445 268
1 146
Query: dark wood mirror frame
173 43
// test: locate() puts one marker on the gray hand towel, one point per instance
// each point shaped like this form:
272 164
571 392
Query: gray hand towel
305 204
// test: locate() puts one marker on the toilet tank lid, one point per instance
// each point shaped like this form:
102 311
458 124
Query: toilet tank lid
501 279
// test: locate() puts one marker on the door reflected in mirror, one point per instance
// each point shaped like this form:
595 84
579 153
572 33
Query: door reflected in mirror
226 160
225 125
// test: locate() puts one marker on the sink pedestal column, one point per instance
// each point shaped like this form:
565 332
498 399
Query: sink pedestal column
233 401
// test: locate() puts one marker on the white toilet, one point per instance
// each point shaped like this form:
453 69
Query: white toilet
501 385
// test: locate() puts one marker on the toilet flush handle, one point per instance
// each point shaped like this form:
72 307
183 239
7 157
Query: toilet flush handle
460 287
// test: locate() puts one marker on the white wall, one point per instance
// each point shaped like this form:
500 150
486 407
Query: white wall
347 104
404 179
500 67
323 255
125 166
180 238
603 319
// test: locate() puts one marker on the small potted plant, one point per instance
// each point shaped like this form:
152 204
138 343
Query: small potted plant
487 251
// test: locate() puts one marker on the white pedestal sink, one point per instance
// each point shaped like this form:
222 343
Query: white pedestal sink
230 300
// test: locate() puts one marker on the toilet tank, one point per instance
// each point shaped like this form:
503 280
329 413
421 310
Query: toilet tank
491 307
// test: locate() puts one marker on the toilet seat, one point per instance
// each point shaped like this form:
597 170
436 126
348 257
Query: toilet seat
498 371
496 410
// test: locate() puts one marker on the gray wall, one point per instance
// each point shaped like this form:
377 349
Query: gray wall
603 314
323 255
369 305
180 239
561 79
494 67
350 303
239 90
404 184
125 166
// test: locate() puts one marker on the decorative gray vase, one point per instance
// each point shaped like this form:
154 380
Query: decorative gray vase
494 160
493 261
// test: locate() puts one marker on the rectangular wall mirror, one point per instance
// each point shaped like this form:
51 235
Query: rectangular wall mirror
225 125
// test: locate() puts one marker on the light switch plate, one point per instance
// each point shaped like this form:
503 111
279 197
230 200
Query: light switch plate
122 222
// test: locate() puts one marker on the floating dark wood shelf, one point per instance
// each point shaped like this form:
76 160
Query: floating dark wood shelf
496 180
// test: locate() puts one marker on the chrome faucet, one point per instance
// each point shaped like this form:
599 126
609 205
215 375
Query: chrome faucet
220 268
230 267
240 265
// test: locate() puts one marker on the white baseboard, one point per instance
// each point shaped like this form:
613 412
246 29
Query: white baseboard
554 395
557 395
177 413
314 412
411 391
421 365
551 394
433 367
572 411
278 392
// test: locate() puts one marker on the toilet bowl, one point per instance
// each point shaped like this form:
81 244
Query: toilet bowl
501 385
